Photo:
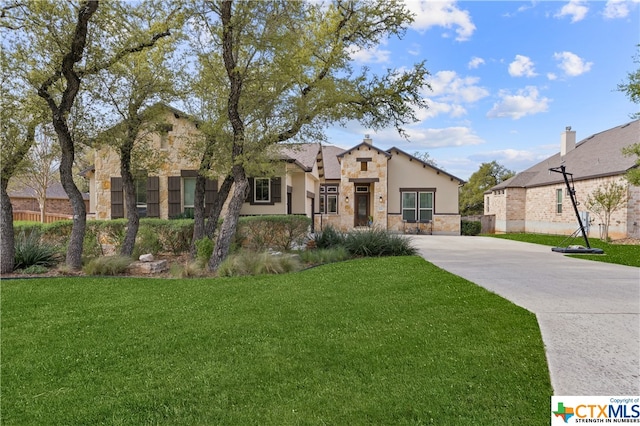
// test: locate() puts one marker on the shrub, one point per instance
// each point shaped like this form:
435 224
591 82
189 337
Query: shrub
204 250
57 233
322 256
147 241
34 269
174 235
107 265
378 242
252 263
277 232
470 227
329 238
31 250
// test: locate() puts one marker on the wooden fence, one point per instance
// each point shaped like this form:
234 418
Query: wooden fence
31 216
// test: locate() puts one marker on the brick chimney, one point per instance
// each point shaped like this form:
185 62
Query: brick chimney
567 141
367 139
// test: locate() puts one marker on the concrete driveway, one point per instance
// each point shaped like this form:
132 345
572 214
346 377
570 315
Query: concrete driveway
588 312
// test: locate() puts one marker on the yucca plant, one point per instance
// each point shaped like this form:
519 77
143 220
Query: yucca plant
31 250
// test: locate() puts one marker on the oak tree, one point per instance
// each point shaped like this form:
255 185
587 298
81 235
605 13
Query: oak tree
288 74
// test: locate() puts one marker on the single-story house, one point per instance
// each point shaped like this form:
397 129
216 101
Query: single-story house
25 203
344 188
536 200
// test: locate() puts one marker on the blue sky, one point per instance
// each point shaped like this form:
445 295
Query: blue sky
508 77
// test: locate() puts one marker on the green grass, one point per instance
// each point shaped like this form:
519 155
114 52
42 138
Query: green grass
613 253
384 341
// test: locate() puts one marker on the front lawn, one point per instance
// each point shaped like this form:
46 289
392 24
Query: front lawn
622 254
369 341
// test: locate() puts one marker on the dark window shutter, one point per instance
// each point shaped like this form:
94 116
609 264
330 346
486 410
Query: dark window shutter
175 203
210 194
153 196
276 190
117 198
250 194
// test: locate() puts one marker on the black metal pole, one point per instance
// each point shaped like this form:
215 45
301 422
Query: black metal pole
572 195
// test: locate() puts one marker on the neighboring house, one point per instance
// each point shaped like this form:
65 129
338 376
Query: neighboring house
57 203
361 186
536 200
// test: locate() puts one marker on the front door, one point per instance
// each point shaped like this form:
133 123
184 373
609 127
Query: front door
362 210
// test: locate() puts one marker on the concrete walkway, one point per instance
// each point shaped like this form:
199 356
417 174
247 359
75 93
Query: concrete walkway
588 312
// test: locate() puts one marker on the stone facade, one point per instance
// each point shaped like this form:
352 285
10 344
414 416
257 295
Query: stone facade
369 180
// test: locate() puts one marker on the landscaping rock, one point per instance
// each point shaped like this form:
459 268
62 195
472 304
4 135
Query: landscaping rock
153 267
146 257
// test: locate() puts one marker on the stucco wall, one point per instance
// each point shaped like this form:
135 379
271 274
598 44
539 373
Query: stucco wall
406 172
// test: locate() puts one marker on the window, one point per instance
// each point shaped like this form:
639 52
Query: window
417 206
363 166
328 199
141 195
486 204
558 200
261 193
188 195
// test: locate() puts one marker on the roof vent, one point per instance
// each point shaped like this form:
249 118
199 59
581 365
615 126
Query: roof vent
367 139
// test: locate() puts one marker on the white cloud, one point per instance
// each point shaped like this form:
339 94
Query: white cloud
572 64
522 66
374 55
448 86
475 62
575 8
616 9
441 138
414 49
552 76
443 13
437 108
524 102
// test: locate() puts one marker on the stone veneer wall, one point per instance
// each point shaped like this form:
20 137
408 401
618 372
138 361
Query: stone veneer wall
107 164
376 168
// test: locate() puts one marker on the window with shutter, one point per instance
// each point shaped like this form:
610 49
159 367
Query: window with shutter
117 198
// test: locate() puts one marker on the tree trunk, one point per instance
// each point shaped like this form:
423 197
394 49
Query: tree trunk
216 210
133 218
128 184
7 243
76 240
228 229
198 213
59 113
43 210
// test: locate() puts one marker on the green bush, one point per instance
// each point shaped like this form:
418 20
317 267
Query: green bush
470 227
58 233
277 232
34 270
323 256
147 241
378 242
31 250
252 263
329 237
174 235
107 265
204 250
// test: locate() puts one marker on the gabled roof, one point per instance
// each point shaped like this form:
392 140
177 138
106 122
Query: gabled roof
379 150
55 191
330 161
425 164
598 155
302 154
